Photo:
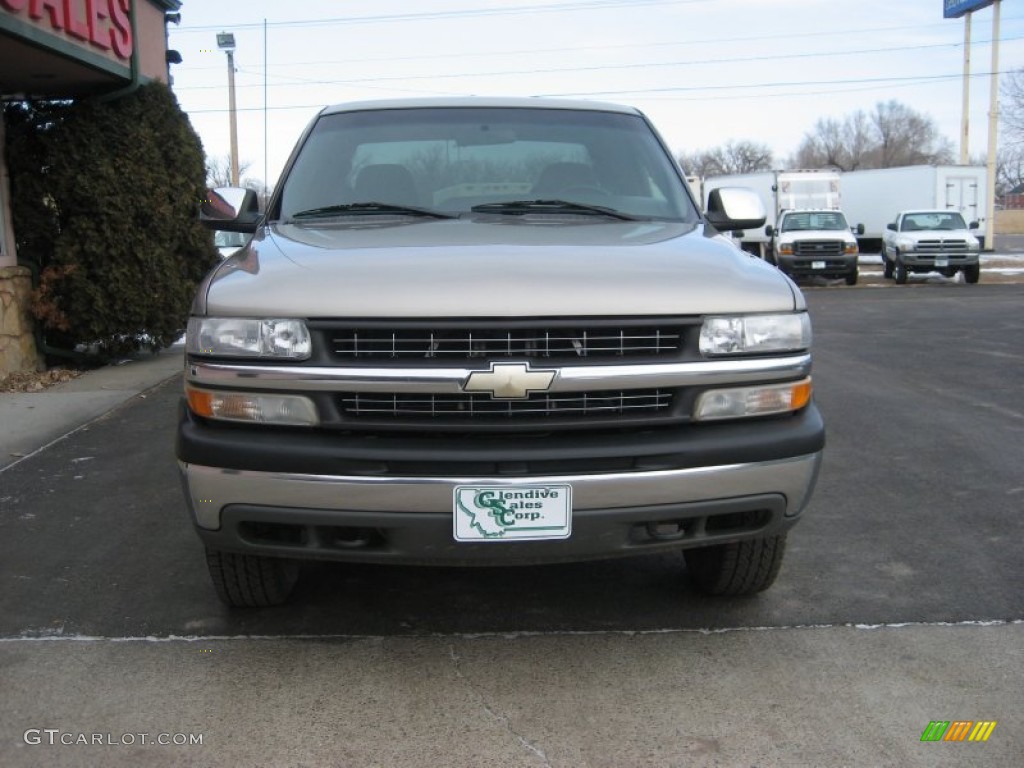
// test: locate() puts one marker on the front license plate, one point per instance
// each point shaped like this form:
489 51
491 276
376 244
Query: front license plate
942 262
512 512
817 265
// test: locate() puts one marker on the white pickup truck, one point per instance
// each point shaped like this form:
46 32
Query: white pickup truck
930 241
814 243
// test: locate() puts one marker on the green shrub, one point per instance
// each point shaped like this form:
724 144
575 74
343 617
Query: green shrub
104 207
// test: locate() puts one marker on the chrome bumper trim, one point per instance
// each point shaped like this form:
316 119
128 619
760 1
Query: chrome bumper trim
580 378
209 489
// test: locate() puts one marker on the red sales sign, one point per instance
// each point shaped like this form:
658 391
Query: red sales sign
103 24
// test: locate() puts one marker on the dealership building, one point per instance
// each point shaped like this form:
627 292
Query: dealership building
66 49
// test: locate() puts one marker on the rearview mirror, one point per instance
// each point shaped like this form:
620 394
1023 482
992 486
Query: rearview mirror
231 209
735 208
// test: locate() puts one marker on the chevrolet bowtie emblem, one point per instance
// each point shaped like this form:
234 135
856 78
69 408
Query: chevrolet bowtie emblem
509 381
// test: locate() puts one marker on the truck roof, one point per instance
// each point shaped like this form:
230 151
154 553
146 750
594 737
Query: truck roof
480 101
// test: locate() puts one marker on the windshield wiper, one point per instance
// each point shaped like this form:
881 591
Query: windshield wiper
520 207
370 208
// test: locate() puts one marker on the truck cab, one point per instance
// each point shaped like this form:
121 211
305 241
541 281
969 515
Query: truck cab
814 242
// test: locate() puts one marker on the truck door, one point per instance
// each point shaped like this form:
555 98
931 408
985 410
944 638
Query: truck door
962 195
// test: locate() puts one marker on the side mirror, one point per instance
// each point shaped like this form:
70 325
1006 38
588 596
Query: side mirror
735 208
891 225
769 230
231 209
973 225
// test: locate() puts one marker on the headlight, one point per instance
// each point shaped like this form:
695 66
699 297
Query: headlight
248 337
252 407
752 334
905 245
851 248
761 400
786 249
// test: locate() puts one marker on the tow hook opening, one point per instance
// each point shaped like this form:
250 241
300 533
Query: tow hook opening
667 530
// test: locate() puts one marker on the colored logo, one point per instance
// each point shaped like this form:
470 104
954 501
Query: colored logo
959 730
512 512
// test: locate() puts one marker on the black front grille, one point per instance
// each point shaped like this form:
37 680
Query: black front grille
460 341
468 406
817 248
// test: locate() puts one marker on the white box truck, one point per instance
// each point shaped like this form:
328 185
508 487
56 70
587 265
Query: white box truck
779 191
874 197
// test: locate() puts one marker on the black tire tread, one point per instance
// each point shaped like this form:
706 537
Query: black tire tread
902 274
251 581
740 568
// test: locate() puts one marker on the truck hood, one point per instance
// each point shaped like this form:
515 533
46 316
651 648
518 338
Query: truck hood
508 267
817 234
917 235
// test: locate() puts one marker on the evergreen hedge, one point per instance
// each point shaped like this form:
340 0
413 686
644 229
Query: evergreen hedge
104 205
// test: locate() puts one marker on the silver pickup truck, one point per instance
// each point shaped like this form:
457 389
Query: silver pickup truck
930 241
492 332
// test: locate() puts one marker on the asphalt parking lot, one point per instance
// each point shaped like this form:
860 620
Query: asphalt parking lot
900 602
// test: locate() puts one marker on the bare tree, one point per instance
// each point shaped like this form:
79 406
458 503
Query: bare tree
1009 169
1012 107
906 137
892 135
843 145
218 170
732 157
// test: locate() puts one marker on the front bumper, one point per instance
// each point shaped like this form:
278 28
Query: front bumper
933 261
409 520
734 482
823 266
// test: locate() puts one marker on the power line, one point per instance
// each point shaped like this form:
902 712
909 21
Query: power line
561 70
918 79
866 83
587 5
575 49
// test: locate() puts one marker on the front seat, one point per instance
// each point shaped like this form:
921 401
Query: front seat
386 183
559 177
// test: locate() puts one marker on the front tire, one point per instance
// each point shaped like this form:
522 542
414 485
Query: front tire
901 273
972 273
251 581
741 568
851 278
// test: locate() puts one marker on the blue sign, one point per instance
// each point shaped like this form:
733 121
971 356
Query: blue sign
954 9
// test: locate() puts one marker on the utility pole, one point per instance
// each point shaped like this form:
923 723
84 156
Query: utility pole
993 130
226 42
966 107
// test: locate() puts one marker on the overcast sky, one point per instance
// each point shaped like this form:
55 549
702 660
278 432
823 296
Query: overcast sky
705 71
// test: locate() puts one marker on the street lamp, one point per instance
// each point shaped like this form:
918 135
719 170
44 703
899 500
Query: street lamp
226 42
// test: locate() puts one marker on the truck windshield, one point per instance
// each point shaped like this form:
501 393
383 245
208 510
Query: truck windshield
937 220
814 220
452 159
